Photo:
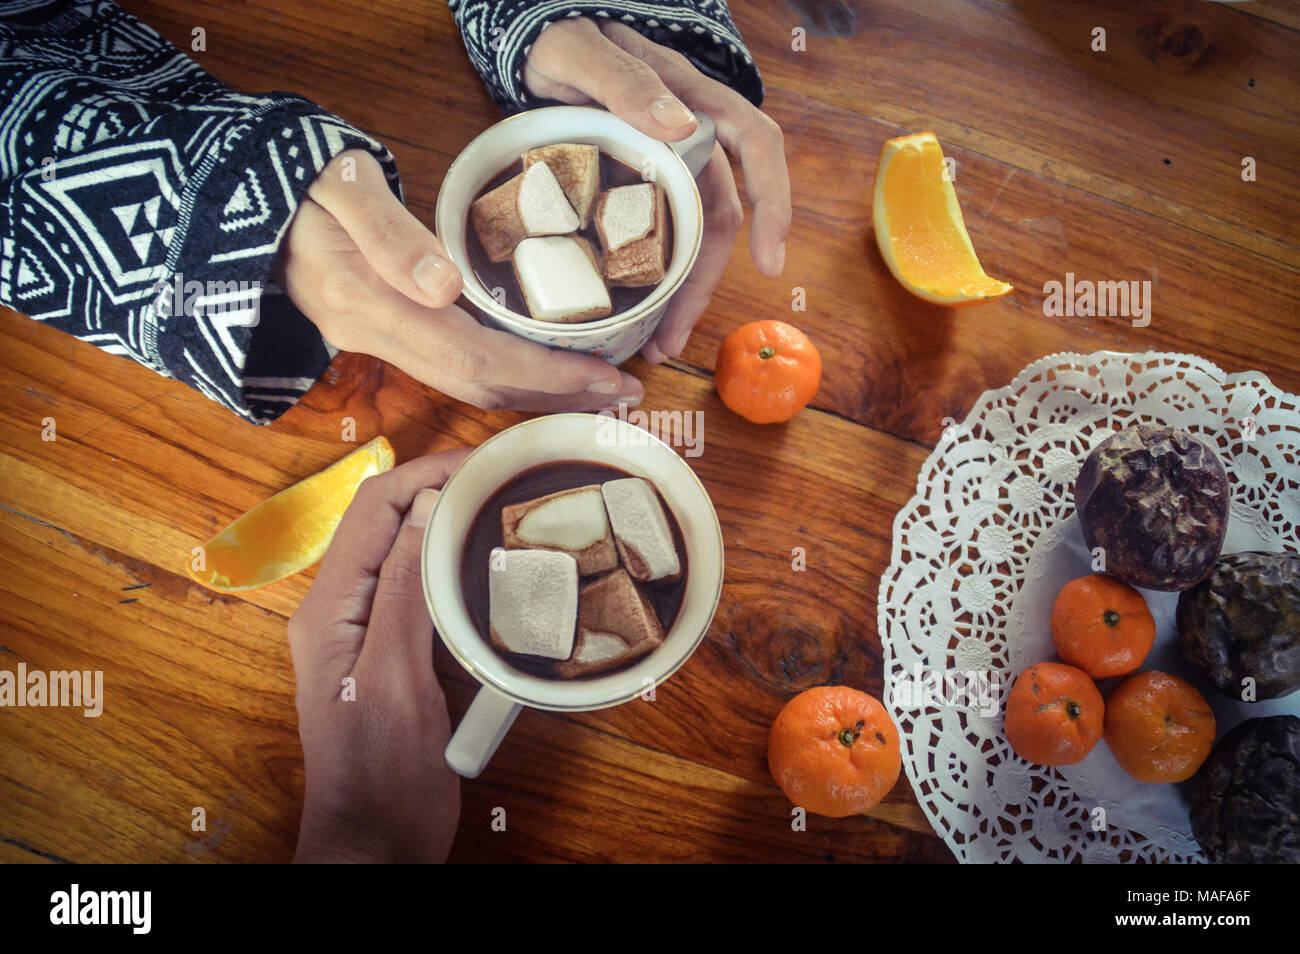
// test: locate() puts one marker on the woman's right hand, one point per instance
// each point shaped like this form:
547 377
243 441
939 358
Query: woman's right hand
373 279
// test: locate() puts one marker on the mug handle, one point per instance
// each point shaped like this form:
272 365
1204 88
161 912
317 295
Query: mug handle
486 723
697 148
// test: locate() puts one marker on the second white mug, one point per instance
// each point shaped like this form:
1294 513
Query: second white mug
601 439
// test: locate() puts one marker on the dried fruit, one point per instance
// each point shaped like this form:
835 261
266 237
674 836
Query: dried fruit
1246 800
1243 622
1155 500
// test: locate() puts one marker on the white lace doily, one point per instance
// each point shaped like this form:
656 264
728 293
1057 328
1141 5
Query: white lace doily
978 557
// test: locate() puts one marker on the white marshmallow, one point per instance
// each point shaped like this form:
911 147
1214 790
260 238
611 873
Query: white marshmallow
559 279
533 601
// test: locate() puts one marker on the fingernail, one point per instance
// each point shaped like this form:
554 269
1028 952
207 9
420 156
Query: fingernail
434 275
604 387
628 400
678 344
630 386
671 111
652 354
780 258
422 507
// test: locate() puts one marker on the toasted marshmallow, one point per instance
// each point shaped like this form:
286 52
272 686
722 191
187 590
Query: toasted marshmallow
571 521
638 259
641 532
577 169
624 214
532 203
616 625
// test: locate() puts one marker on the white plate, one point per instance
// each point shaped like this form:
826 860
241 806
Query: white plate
978 557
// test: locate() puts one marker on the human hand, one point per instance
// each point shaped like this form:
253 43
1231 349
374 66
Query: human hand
578 60
373 279
377 784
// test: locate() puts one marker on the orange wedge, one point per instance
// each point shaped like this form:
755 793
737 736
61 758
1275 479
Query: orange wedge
919 227
290 531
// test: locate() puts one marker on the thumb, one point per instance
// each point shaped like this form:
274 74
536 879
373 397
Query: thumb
399 635
393 242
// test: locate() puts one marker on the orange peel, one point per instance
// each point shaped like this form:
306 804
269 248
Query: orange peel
287 533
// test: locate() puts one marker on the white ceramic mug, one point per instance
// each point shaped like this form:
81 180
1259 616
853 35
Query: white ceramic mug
602 439
616 337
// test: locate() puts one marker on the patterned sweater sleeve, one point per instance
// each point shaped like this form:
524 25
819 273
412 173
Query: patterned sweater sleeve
142 202
499 33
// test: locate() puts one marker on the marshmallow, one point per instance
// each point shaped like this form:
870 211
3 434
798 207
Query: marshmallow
571 521
560 279
543 206
533 602
640 260
577 168
641 533
616 625
532 203
625 214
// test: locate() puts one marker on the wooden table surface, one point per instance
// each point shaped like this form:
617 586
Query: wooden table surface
1116 165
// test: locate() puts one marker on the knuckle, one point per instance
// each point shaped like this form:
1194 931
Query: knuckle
764 131
400 575
577 26
466 364
727 218
386 231
339 294
489 399
631 73
337 331
770 128
676 58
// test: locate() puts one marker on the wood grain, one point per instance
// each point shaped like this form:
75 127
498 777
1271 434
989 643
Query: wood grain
1060 168
773 635
891 349
1020 82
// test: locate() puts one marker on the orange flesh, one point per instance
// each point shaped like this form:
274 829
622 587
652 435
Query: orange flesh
291 530
932 254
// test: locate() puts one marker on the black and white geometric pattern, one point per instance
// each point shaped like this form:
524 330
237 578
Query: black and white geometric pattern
142 203
499 33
